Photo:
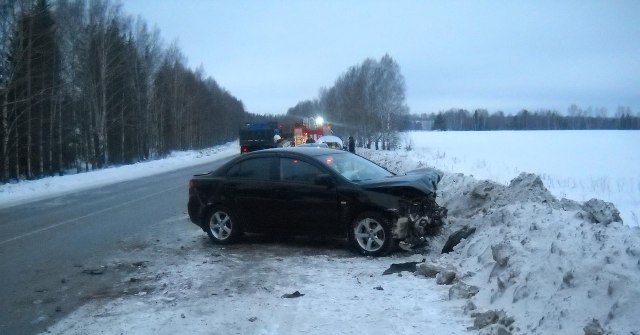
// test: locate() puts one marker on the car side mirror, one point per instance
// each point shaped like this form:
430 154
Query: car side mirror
324 179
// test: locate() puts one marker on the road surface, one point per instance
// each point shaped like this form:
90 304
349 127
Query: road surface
53 252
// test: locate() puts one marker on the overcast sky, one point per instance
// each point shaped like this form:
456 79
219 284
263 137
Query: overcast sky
498 55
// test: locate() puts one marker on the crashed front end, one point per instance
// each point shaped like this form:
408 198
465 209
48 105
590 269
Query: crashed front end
418 218
415 211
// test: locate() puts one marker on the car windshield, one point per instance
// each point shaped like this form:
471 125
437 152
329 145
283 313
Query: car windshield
354 167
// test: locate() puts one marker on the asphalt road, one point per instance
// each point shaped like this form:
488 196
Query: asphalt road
53 251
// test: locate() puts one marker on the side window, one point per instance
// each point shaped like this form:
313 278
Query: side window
298 171
256 169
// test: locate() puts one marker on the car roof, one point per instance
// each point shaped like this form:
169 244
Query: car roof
308 151
318 145
330 138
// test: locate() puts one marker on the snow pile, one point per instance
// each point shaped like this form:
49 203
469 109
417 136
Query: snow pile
534 264
552 265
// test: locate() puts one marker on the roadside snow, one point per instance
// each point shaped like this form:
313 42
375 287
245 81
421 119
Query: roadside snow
29 190
239 292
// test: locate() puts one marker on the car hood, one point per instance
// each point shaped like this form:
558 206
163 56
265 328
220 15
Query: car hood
413 183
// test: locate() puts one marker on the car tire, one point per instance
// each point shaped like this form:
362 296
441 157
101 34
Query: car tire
222 226
370 234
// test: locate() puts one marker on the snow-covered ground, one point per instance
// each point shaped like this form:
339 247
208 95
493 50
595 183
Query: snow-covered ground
577 165
540 264
15 193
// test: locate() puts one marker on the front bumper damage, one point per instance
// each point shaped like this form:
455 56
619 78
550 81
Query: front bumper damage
418 220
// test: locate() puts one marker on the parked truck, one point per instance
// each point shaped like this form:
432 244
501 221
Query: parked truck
258 136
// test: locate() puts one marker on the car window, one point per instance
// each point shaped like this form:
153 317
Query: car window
255 168
354 167
295 170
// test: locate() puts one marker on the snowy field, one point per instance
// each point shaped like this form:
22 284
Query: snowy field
577 165
539 264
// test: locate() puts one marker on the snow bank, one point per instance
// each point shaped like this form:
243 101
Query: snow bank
546 262
540 265
29 190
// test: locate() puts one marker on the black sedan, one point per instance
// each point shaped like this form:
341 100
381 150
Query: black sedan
315 191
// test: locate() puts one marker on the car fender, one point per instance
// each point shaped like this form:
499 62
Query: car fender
355 203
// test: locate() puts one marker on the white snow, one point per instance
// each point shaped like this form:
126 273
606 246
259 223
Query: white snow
16 193
538 258
577 165
340 297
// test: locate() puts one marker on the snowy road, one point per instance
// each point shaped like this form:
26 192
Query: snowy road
46 245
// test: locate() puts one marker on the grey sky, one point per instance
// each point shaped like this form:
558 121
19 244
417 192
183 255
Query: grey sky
499 55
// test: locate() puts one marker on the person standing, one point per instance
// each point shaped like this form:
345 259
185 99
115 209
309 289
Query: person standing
352 145
310 139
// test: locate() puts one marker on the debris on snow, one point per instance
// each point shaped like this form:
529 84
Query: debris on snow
96 271
399 267
295 294
455 238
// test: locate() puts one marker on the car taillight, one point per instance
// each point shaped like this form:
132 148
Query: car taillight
245 149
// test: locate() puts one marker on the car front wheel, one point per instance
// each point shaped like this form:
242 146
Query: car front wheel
370 234
222 227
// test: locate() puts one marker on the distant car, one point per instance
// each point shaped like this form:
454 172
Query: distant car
333 142
315 191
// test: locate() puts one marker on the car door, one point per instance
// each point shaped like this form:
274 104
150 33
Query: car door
306 206
250 187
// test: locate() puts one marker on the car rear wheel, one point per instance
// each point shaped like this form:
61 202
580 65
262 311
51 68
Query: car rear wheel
222 227
370 234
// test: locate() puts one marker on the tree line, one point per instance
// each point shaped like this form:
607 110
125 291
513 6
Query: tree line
84 86
367 102
576 118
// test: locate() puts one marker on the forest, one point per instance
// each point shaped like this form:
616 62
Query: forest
576 118
84 86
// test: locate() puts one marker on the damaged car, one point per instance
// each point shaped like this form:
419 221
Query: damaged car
316 191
